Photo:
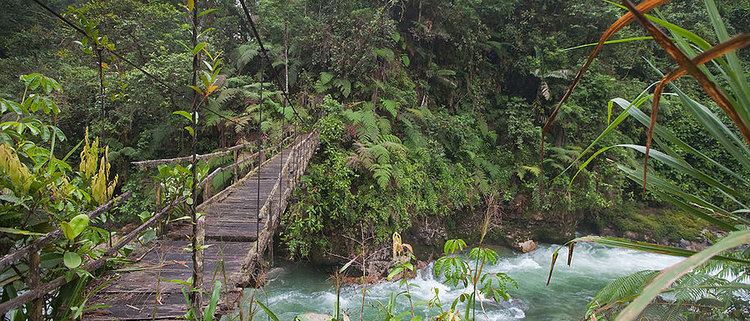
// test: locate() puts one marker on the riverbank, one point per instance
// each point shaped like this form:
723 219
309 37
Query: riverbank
520 231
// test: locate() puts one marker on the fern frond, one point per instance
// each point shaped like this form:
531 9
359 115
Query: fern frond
380 153
362 158
621 290
384 125
245 54
391 106
389 138
382 174
368 129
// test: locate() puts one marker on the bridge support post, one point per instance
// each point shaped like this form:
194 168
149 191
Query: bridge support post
235 177
36 311
207 191
200 240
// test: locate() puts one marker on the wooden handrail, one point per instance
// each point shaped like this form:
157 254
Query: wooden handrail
251 260
215 197
42 290
157 162
37 245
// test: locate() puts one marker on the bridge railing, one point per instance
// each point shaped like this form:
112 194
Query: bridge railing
245 159
224 167
292 169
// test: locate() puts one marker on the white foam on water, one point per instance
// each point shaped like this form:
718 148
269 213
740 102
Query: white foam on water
593 266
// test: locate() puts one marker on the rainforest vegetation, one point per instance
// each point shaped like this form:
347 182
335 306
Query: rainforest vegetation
440 121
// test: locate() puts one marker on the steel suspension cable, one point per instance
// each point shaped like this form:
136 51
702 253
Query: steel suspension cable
264 54
260 163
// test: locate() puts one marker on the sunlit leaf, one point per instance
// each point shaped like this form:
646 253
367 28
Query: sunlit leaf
72 260
75 227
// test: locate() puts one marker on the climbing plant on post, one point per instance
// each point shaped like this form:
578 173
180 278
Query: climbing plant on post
204 83
196 297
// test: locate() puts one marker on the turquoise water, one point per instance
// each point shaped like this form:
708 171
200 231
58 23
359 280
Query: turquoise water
298 288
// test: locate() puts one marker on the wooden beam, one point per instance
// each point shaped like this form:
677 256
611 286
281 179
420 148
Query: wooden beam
37 245
44 289
157 162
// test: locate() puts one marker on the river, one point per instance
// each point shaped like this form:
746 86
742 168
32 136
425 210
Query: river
299 288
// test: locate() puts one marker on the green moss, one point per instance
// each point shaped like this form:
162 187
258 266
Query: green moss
660 224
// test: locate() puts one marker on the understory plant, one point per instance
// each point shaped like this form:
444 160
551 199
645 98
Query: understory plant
471 273
40 192
456 268
708 284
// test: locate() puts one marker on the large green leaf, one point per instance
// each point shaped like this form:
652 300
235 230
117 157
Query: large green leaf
714 126
19 232
669 275
208 314
684 168
736 78
610 42
72 260
666 135
642 98
720 217
75 227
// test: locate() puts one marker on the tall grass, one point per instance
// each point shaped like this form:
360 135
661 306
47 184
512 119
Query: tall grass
718 72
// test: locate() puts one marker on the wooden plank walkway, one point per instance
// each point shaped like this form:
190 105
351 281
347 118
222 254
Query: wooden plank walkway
143 290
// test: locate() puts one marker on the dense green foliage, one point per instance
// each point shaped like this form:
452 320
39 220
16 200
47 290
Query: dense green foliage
700 289
432 108
430 115
41 192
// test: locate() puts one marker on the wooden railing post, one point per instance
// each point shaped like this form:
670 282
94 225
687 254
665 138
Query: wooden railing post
200 239
207 191
299 157
235 177
36 310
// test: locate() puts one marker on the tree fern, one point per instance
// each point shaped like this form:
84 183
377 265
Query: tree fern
245 54
621 290
391 106
382 174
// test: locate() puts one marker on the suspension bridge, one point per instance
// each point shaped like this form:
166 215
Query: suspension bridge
232 230
237 227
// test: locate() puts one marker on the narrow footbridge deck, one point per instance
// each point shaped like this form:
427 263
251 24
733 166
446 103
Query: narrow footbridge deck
239 224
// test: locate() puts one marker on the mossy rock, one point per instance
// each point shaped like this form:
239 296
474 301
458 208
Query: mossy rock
661 224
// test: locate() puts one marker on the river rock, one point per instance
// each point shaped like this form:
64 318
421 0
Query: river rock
527 246
607 232
318 317
631 235
274 273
